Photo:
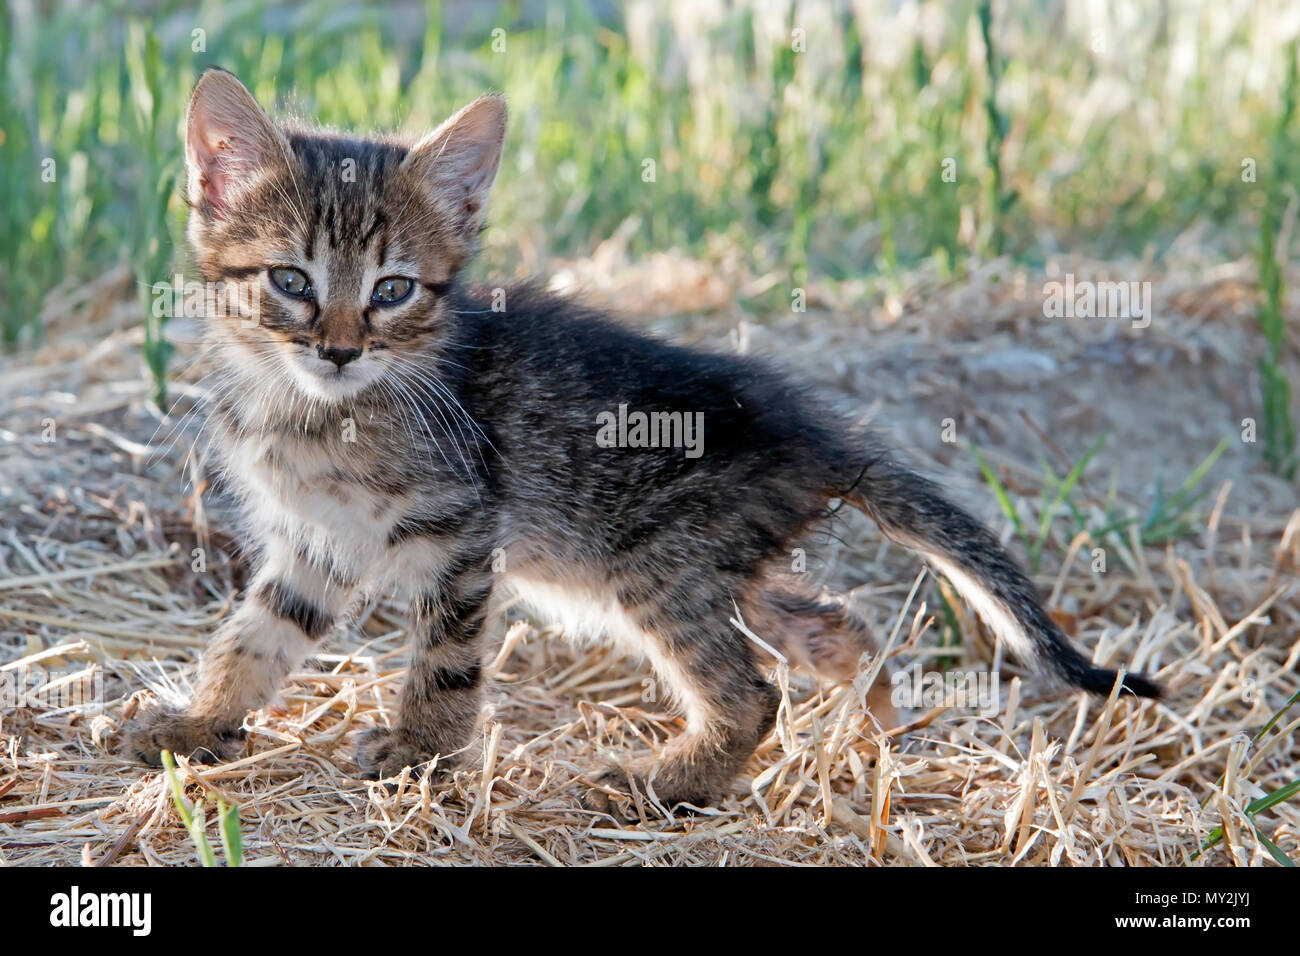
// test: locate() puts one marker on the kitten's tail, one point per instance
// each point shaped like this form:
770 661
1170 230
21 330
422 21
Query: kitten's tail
913 511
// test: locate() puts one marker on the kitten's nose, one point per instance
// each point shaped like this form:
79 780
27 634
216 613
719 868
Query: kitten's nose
338 356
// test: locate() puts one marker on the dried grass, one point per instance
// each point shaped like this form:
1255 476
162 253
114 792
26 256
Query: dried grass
95 578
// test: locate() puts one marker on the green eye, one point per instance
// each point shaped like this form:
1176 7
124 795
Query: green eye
391 290
293 282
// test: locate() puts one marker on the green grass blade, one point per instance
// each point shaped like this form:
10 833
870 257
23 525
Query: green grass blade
1000 492
1063 493
1276 717
1274 850
1280 795
191 814
232 839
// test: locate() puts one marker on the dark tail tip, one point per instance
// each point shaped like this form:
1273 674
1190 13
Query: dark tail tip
1101 681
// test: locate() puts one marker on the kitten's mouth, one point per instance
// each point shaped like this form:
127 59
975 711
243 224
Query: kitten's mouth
324 380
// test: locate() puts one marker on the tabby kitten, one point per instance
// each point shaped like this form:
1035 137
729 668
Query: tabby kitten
386 428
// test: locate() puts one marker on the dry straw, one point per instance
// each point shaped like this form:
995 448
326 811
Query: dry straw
95 578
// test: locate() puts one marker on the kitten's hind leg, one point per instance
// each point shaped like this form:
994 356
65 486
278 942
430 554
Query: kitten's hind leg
821 632
443 691
818 631
707 666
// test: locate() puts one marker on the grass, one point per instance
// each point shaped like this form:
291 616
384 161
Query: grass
152 246
192 814
1169 517
824 161
1278 427
996 203
1253 809
1034 542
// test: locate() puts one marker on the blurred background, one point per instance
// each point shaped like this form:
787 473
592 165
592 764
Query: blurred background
804 138
808 136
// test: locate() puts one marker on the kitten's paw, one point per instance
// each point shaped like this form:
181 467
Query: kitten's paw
151 732
609 795
621 791
384 753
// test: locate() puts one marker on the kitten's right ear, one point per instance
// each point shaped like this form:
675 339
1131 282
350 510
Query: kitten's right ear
229 142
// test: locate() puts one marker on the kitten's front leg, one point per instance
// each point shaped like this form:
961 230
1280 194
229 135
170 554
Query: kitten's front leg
292 605
441 697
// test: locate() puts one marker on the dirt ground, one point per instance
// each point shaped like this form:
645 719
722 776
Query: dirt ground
100 522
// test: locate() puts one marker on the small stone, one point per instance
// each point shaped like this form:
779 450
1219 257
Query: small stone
1016 367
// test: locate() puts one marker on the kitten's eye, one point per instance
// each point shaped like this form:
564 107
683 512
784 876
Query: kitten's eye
292 282
391 290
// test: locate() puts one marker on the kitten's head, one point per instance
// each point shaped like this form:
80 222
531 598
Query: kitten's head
347 247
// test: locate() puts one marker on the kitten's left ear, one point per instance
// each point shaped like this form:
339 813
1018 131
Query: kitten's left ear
458 161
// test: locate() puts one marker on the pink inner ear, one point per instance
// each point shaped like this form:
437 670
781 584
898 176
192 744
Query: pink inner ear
212 157
228 141
214 181
222 159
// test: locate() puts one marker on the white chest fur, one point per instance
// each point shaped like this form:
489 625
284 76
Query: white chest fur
295 488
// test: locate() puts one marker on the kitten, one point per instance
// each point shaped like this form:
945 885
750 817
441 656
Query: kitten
385 428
